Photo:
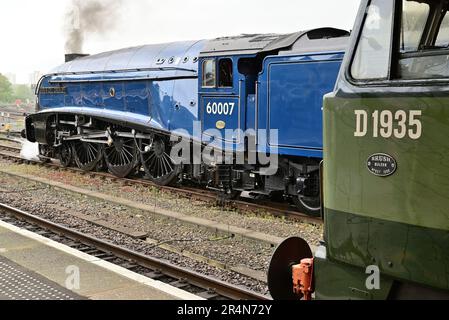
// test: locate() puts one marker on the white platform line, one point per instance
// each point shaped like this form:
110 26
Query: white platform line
158 285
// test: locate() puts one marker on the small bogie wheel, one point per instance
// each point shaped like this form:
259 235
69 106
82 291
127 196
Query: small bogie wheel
65 154
122 157
157 162
87 155
43 154
309 206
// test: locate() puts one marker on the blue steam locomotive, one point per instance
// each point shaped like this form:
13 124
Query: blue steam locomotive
232 101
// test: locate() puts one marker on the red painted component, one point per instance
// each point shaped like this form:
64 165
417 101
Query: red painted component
303 279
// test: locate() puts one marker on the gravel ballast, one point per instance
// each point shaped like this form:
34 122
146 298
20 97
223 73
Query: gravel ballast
62 207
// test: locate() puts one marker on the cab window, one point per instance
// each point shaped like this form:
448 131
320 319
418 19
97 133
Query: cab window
443 35
225 76
424 48
413 23
413 46
209 72
372 55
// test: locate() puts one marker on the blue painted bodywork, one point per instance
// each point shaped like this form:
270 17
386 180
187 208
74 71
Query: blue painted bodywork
234 122
154 85
229 135
290 99
160 87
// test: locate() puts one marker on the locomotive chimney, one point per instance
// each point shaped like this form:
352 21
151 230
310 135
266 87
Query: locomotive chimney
73 56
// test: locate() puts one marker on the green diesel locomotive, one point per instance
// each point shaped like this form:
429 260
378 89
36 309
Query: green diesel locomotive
386 165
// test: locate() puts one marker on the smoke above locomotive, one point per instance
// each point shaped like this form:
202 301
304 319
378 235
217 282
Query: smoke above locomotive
85 18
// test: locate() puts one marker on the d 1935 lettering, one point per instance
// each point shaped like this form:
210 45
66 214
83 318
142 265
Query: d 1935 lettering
387 124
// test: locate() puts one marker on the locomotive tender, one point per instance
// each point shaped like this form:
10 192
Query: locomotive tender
120 111
386 191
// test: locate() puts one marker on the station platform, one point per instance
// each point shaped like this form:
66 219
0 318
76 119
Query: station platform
36 268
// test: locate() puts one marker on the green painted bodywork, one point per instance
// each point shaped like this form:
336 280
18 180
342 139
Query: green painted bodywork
400 222
418 193
336 281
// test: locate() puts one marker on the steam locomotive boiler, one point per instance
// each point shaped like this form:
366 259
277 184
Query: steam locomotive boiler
160 109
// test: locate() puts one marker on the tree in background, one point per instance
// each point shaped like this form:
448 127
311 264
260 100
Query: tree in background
6 91
10 93
22 92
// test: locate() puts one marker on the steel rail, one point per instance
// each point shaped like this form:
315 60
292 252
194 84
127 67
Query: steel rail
205 282
275 209
10 148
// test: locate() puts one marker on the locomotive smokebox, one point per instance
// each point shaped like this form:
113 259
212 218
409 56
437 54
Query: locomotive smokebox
73 56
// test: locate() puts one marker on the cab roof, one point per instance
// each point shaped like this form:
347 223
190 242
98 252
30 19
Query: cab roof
257 43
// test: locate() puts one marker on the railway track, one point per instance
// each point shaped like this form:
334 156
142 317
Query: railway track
11 136
203 286
10 149
275 209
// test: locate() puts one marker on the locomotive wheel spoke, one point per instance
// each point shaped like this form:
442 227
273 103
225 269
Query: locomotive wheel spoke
65 155
158 165
122 157
86 155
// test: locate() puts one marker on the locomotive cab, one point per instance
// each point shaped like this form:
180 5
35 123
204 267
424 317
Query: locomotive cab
261 98
385 164
222 101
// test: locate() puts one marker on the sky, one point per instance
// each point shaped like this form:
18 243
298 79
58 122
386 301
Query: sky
32 32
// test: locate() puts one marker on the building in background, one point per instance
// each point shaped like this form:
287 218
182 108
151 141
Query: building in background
34 78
